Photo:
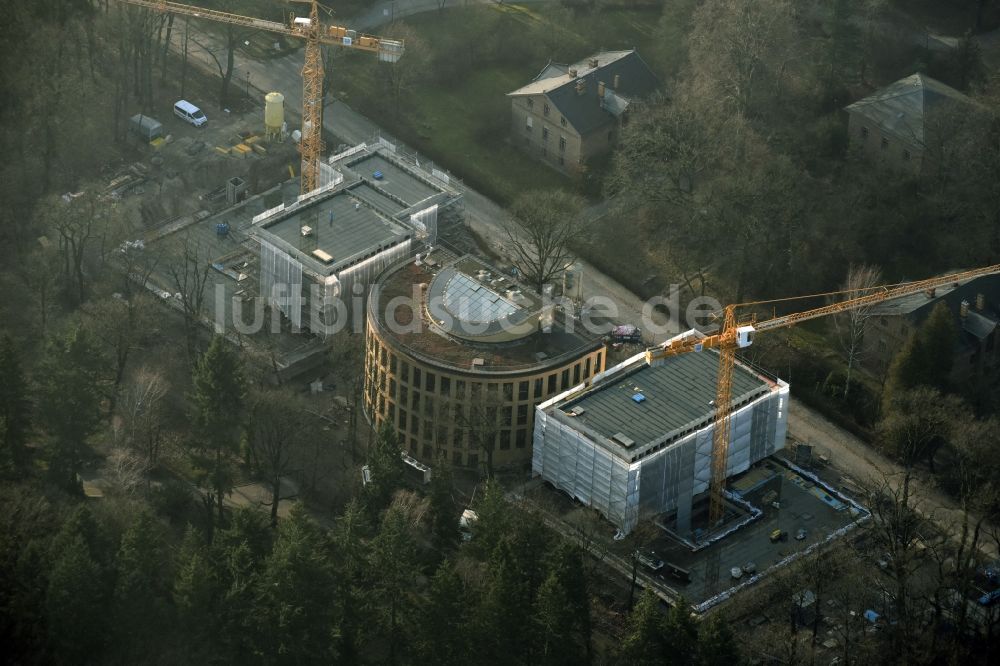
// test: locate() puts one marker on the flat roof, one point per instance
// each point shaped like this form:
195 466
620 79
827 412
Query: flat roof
342 227
395 181
676 395
420 338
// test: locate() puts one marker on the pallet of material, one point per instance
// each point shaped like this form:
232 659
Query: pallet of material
221 150
259 148
241 150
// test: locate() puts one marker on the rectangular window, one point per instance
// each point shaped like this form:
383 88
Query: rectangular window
539 385
414 424
597 363
416 401
457 437
562 121
404 396
392 363
545 109
522 437
460 388
402 419
552 383
864 132
428 452
429 407
416 378
576 374
429 382
392 387
392 412
505 440
562 144
522 415
473 459
404 371
565 380
522 390
508 391
545 134
445 385
456 458
586 368
413 446
885 143
507 411
531 102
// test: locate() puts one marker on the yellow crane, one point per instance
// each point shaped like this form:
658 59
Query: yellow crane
315 34
736 334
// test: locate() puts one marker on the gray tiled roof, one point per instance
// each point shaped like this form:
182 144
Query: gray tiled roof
678 393
902 108
584 111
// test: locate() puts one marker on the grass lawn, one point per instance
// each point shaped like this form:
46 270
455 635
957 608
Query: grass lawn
462 122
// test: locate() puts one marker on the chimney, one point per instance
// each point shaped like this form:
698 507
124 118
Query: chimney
593 63
930 292
572 72
581 86
618 80
600 89
963 310
980 302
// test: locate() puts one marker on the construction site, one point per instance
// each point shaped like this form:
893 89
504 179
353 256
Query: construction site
276 243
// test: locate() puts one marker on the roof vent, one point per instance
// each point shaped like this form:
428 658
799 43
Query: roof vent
623 439
322 256
581 86
578 411
593 62
638 398
478 363
541 356
306 231
931 292
572 72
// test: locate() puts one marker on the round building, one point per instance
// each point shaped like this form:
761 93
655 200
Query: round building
458 355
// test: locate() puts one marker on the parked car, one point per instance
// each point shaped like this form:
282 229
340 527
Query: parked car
779 535
750 568
736 573
189 113
801 534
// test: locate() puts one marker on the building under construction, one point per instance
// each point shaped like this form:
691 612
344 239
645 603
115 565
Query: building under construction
322 250
636 442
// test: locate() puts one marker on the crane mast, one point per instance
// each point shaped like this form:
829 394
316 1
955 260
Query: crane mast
315 35
735 335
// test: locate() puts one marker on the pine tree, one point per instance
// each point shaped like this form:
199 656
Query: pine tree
716 645
294 612
444 518
567 565
926 358
494 521
216 410
393 564
69 403
140 589
443 636
75 600
195 592
681 634
644 644
15 408
554 624
352 555
386 467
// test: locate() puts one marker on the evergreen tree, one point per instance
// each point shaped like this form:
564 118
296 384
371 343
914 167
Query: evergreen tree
238 553
443 636
15 408
681 635
393 565
74 603
195 593
926 358
567 565
140 589
216 408
386 467
716 645
554 625
644 643
504 631
444 517
294 612
352 554
494 521
69 403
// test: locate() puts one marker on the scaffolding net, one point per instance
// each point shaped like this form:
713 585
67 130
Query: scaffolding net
281 282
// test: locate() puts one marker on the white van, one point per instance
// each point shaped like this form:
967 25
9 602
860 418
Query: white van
188 112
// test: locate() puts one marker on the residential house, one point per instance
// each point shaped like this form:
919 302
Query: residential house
975 305
569 113
896 125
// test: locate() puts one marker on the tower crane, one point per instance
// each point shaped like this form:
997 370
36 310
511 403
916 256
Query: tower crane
737 334
315 35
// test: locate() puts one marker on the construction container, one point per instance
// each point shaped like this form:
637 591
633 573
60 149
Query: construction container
145 127
274 114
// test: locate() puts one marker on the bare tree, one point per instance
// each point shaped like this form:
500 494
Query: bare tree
189 272
276 431
548 220
142 412
852 325
125 471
